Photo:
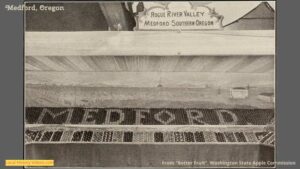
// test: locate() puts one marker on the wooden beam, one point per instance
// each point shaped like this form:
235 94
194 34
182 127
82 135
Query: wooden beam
151 43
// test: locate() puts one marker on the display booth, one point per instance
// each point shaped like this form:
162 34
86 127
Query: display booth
166 85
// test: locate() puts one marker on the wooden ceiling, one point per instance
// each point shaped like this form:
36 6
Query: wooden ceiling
148 59
235 64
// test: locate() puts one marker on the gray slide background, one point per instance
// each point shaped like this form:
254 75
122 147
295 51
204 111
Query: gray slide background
11 83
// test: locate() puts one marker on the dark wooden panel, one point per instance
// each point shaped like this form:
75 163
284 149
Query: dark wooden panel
74 17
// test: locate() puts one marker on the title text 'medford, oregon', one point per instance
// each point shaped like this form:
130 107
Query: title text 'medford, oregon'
34 7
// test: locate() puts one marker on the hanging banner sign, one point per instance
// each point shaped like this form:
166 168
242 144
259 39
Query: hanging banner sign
178 16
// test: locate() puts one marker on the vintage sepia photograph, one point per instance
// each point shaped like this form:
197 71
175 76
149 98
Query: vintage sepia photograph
150 83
